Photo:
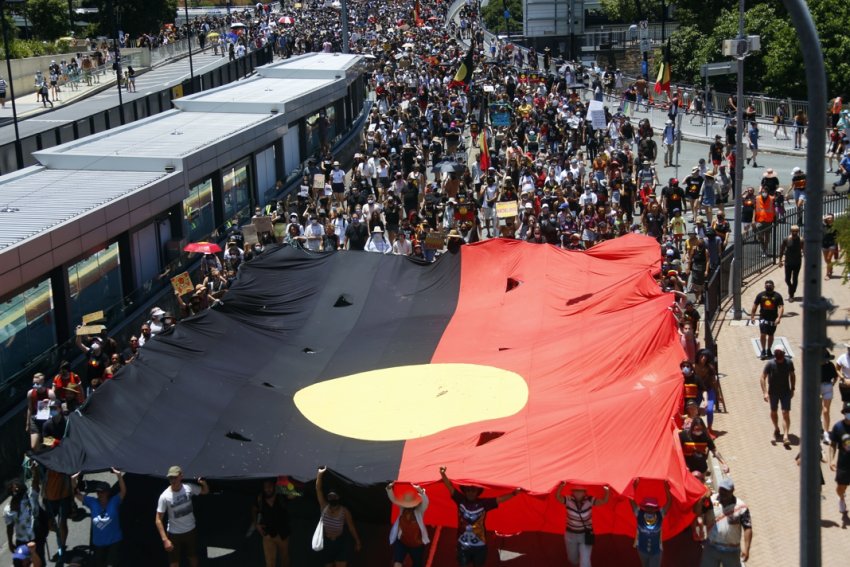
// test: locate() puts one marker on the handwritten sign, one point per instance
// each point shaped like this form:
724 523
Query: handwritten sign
435 241
506 210
597 115
318 181
92 317
182 284
262 224
249 234
87 330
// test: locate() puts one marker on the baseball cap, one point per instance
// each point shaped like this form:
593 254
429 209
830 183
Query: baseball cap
778 348
174 471
649 503
21 552
726 484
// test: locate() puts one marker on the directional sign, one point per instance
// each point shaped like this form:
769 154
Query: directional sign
712 69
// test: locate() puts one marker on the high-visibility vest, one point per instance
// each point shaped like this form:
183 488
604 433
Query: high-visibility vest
765 209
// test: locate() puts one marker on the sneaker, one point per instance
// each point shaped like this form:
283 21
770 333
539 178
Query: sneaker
785 441
842 506
826 439
776 434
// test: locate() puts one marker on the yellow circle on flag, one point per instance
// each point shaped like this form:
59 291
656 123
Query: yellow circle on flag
408 402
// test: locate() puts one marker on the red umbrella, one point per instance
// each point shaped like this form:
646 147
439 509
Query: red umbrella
285 20
203 247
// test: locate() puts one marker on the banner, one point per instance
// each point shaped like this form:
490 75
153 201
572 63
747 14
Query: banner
182 284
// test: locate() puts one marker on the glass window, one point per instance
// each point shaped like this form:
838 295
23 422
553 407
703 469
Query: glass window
95 284
27 329
330 117
198 217
312 131
236 192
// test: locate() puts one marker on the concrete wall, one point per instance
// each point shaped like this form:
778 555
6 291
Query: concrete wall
23 70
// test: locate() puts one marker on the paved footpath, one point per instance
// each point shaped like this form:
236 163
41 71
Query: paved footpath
765 473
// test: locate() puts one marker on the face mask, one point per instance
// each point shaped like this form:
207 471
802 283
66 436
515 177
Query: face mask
355 221
769 288
687 371
764 193
847 416
314 222
54 412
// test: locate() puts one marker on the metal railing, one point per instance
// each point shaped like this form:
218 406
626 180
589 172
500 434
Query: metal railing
760 251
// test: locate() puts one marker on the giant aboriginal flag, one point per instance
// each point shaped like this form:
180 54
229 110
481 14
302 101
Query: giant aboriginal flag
512 364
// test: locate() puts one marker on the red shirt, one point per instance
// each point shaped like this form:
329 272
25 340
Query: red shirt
59 384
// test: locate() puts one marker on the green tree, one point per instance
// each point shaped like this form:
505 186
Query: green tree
49 18
777 69
134 17
494 15
632 11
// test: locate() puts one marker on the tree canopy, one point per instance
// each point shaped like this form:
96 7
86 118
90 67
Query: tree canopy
49 18
134 17
777 70
494 15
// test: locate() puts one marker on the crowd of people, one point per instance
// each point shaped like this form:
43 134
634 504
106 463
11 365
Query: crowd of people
436 170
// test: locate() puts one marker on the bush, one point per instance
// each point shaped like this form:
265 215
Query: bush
842 225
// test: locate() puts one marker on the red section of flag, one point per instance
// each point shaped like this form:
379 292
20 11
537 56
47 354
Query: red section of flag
578 384
484 161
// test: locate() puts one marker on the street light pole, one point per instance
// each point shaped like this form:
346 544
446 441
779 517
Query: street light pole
343 14
189 42
737 271
118 72
19 150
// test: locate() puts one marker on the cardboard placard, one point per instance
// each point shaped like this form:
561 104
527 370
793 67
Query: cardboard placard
435 241
86 330
318 181
92 317
182 284
506 210
249 234
597 115
262 224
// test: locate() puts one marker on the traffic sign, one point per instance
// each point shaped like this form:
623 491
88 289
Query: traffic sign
645 45
712 69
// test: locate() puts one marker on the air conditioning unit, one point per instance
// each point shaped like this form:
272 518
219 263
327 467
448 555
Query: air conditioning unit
741 47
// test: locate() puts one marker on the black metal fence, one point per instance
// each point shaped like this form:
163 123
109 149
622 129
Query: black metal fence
137 109
760 251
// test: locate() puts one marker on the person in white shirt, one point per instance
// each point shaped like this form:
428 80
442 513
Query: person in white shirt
338 183
175 506
313 232
377 243
402 246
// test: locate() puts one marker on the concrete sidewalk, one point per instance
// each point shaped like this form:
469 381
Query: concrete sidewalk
29 105
765 472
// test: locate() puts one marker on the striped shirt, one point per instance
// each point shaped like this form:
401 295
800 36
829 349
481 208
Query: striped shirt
333 525
579 514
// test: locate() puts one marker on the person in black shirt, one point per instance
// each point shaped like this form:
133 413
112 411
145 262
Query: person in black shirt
356 234
829 244
672 196
839 456
778 382
828 378
791 255
770 308
271 520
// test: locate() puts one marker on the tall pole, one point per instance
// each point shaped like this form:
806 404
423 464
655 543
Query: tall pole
71 14
737 272
19 150
189 42
118 72
815 307
343 13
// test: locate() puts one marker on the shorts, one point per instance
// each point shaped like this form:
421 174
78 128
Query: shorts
715 162
842 476
476 555
338 187
709 200
60 509
763 227
767 327
486 213
36 425
826 390
401 551
186 542
799 195
783 400
336 550
2 94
